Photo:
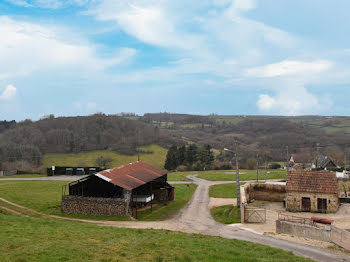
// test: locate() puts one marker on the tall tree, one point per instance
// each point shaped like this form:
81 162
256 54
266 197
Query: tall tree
191 154
171 161
181 155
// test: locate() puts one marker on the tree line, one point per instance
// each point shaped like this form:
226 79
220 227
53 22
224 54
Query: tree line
190 157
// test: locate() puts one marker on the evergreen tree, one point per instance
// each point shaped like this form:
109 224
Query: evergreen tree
171 161
205 156
191 154
181 152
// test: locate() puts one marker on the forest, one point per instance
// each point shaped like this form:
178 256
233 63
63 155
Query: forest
269 138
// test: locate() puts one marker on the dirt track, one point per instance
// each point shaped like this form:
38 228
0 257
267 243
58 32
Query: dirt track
195 218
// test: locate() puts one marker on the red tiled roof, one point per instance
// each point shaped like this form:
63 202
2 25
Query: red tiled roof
314 182
302 158
132 175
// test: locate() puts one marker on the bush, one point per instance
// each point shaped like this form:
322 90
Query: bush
274 166
182 168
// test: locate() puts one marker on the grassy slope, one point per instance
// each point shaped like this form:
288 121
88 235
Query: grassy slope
34 239
23 176
226 214
229 175
156 159
223 191
183 194
45 196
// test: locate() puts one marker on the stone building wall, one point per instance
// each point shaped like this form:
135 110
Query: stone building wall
95 206
294 201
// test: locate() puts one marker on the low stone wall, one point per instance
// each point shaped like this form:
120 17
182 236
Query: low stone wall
95 206
265 192
302 230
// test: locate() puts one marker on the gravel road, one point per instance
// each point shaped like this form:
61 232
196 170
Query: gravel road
195 218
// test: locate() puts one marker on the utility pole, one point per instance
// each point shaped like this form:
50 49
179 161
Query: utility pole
317 154
235 155
257 168
345 160
137 146
287 154
265 169
237 182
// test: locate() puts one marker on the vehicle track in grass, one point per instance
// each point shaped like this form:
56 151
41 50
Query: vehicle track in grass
195 217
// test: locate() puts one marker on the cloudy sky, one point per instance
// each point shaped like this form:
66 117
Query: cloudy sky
78 57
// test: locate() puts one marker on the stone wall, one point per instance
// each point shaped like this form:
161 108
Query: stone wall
265 192
294 201
95 206
301 230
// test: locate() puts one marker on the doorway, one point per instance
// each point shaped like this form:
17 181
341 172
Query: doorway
322 205
305 204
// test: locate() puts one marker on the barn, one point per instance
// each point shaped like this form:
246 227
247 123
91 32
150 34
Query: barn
309 191
119 191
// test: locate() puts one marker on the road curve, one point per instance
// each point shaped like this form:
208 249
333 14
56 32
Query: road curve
195 217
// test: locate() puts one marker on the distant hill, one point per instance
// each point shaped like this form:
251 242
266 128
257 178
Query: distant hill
268 136
28 141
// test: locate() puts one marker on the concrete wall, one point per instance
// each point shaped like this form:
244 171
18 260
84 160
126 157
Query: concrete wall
95 206
302 230
294 201
265 192
243 202
340 237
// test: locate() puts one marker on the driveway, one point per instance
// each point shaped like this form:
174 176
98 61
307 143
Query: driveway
195 218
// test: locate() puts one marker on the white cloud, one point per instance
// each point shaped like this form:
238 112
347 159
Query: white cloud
292 99
289 67
50 4
244 5
9 93
28 47
148 21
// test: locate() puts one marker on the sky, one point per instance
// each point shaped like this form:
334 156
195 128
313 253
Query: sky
233 57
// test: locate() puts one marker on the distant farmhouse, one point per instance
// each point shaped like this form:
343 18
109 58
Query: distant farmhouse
118 192
307 162
312 192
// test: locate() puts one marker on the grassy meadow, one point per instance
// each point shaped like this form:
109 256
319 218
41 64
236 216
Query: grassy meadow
45 197
27 239
23 176
230 175
227 214
223 190
157 158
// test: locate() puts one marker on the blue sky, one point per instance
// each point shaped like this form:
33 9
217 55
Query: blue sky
79 57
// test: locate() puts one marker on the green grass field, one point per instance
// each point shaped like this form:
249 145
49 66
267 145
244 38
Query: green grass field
88 159
23 176
178 176
35 239
226 214
229 175
183 194
45 196
223 190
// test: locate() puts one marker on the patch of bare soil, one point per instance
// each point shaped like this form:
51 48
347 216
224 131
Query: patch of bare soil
215 202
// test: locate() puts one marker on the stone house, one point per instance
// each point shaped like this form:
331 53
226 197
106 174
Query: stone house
120 191
309 191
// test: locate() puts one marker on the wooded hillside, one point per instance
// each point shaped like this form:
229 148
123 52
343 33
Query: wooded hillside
264 135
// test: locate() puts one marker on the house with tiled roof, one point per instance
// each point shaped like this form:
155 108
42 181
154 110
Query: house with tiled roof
310 191
118 191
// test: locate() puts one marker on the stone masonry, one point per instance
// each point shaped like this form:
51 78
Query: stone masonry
95 206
